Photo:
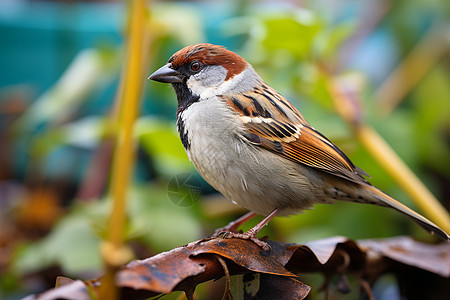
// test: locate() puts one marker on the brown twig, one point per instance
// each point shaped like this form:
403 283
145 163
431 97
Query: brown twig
227 293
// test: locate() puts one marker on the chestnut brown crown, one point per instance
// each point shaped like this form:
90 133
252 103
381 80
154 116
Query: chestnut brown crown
209 54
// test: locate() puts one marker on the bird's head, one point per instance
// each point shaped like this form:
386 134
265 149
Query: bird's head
205 70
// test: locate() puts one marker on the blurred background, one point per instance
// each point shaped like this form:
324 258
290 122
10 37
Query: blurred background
60 64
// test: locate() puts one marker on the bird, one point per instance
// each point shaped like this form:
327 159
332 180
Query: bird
253 146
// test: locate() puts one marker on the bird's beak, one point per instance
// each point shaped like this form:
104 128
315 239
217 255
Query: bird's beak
167 75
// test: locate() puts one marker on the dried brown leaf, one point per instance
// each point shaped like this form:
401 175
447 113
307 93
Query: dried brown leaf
162 272
166 272
239 251
185 267
272 287
77 290
432 258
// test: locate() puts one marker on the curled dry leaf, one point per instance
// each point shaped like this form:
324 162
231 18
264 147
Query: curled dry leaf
75 290
272 287
183 268
432 258
327 254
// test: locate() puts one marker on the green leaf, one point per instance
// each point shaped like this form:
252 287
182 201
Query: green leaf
294 32
72 245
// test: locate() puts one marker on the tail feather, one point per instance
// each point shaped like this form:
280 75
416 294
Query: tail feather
423 222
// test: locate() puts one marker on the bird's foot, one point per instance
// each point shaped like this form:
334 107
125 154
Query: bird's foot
232 227
249 235
229 231
224 231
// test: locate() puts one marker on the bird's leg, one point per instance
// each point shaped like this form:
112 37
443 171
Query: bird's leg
234 225
251 234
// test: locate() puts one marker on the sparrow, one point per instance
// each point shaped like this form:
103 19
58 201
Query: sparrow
253 146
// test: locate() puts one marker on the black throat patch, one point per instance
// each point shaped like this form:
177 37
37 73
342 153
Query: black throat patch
185 99
183 132
185 96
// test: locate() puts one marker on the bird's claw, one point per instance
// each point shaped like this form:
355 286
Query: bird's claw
224 231
245 236
219 233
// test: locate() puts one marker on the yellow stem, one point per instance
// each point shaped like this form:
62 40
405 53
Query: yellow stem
113 251
402 174
349 108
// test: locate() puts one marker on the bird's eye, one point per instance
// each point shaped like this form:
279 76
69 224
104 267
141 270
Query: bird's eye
196 66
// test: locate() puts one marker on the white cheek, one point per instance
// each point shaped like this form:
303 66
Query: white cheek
204 92
221 88
195 86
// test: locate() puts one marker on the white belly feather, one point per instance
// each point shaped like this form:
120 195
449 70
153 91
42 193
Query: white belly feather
246 174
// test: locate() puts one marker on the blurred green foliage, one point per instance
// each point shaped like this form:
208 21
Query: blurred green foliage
289 48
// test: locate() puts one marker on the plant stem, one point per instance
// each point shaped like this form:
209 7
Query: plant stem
402 174
348 105
113 250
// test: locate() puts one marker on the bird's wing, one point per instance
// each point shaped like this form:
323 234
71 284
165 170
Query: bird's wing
276 125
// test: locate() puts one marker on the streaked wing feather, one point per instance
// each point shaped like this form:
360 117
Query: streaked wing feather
279 127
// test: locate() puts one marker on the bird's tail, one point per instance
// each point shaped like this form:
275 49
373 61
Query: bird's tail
385 200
